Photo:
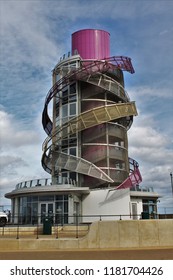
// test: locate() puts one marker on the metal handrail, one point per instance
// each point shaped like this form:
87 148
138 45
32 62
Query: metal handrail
44 182
78 227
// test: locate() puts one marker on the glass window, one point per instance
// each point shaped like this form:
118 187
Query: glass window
29 199
73 176
72 151
59 207
59 197
73 88
34 198
64 111
72 141
65 100
64 120
65 142
65 93
72 98
57 121
72 109
58 77
46 198
66 207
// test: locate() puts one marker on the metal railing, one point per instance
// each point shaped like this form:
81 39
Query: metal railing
45 182
58 226
34 183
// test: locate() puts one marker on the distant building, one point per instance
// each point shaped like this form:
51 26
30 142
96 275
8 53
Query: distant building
86 151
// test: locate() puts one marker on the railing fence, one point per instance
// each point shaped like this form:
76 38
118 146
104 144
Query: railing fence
61 226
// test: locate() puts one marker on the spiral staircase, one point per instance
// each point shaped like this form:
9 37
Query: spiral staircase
93 72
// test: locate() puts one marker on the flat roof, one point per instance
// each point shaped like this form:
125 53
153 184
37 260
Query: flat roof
47 190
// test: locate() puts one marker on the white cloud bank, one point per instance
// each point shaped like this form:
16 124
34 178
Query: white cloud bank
153 150
20 154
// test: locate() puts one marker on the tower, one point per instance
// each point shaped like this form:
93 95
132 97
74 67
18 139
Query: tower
87 141
86 149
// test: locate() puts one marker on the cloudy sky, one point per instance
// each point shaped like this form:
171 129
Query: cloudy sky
35 34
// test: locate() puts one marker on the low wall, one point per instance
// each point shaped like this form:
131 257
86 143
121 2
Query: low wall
104 234
131 234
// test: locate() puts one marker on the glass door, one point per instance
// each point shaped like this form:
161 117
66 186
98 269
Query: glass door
134 211
46 210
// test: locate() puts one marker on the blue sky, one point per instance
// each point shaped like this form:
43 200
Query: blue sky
35 34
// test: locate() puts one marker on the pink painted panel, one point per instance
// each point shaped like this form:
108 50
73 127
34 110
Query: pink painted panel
91 43
133 180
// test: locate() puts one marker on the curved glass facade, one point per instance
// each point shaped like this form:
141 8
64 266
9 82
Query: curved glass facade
33 209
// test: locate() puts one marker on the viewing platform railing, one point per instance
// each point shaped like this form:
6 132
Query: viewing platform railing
45 182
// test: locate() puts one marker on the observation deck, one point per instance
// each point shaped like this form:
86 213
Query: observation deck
45 186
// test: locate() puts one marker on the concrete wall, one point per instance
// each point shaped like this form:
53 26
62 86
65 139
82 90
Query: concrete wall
131 234
104 234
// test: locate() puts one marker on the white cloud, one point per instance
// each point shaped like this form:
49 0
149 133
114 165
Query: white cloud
26 33
147 137
8 163
151 148
148 143
12 133
149 92
20 158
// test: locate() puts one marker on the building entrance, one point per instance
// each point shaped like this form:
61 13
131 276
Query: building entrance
46 210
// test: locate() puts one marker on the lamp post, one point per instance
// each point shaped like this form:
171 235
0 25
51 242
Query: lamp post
171 182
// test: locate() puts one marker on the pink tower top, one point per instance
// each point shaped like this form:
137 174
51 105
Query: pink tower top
91 43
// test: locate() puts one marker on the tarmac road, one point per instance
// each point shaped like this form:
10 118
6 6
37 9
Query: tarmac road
123 254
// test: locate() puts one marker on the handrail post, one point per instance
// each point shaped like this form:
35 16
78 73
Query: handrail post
3 231
56 229
37 227
77 234
17 237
